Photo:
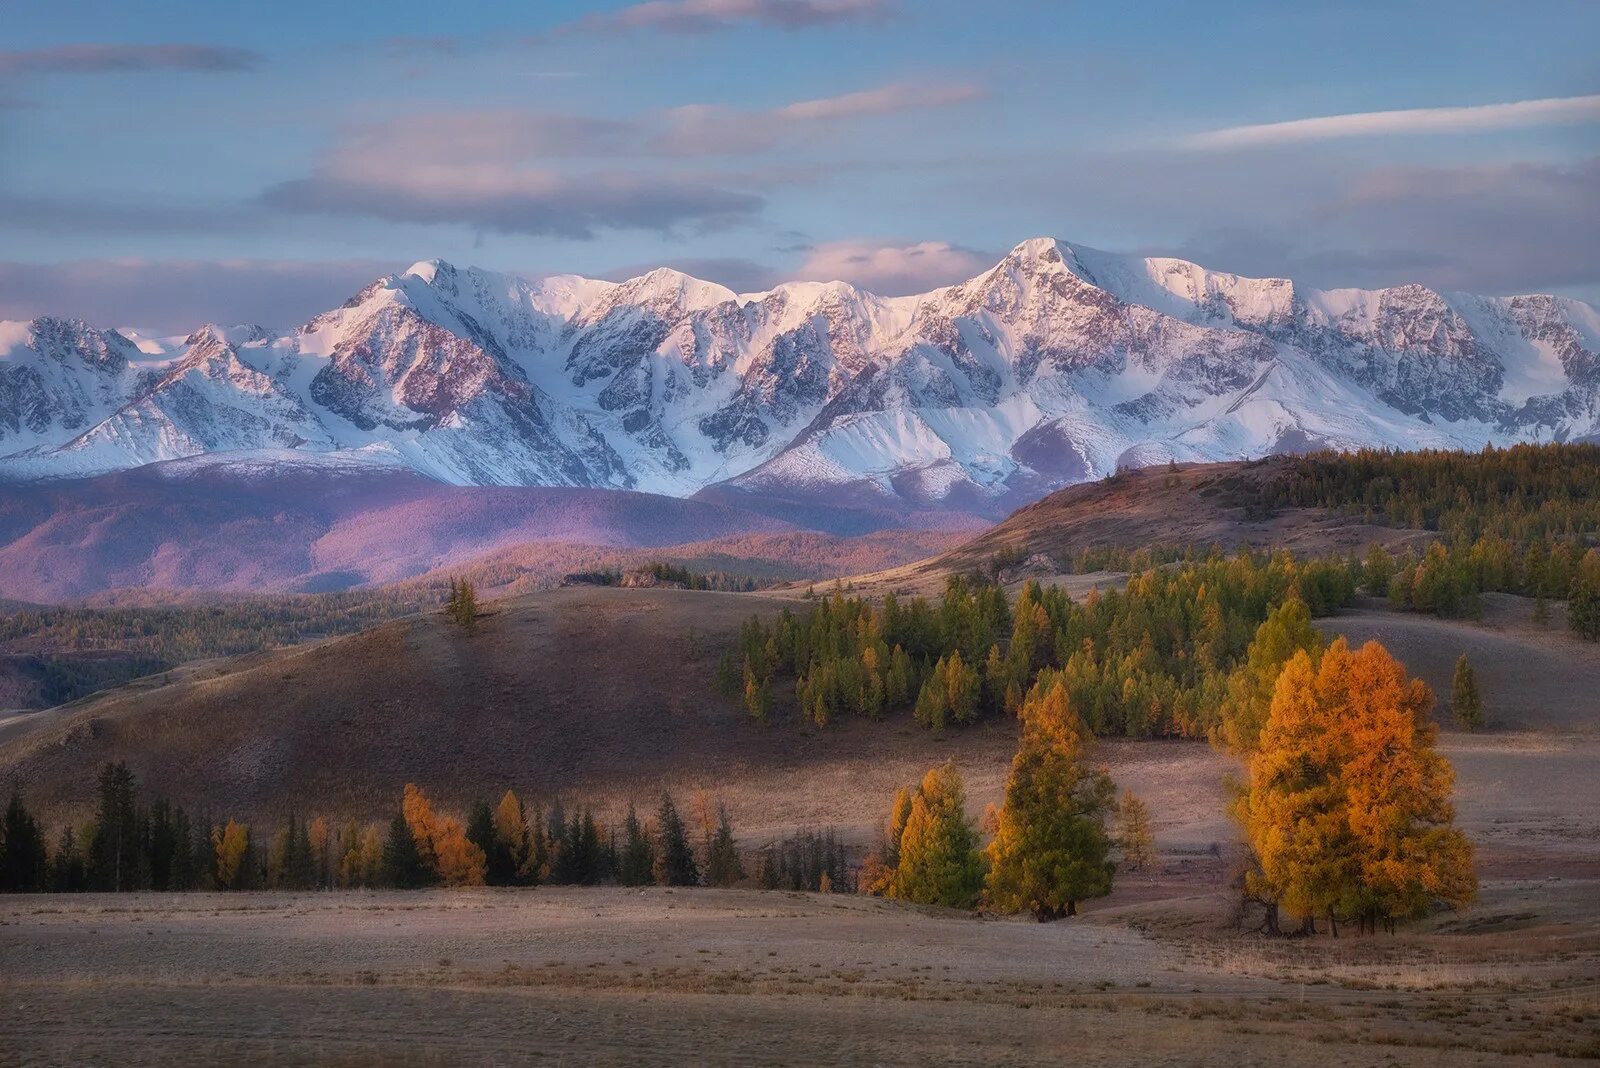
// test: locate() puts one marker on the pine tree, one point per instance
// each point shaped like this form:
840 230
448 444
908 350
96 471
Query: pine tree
403 864
638 854
1583 602
185 866
557 855
163 845
24 863
1379 569
589 864
1134 838
499 869
462 607
939 862
723 867
114 860
1465 703
674 860
1050 849
67 875
319 840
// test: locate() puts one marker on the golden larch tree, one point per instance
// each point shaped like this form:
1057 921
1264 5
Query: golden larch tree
1348 808
939 862
1050 849
1134 837
442 841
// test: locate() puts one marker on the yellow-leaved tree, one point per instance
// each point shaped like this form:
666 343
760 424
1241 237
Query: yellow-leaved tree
442 841
231 844
939 862
1408 853
1347 809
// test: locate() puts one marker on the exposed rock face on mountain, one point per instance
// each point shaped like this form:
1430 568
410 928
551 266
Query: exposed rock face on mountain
1056 366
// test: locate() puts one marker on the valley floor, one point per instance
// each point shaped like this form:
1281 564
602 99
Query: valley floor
614 976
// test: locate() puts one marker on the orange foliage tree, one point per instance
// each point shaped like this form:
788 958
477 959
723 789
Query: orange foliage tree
442 841
1348 809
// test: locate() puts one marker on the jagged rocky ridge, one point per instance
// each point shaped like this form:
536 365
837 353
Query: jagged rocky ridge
1057 365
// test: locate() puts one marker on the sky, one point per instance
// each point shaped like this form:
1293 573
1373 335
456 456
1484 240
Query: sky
164 164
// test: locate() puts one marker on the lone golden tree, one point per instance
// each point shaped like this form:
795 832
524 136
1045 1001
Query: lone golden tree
1050 848
462 607
939 862
1347 809
1466 704
1134 838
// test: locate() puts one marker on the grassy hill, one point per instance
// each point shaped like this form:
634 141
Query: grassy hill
590 692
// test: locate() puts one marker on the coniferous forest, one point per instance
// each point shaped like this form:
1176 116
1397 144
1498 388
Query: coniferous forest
1151 659
132 844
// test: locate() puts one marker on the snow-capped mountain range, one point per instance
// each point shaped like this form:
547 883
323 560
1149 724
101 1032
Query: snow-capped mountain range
1058 365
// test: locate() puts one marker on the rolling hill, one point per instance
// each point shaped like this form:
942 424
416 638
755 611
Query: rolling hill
606 694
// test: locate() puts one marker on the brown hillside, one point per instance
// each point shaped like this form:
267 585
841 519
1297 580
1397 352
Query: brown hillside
594 693
1195 505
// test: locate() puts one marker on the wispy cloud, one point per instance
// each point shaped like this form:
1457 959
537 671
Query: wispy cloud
885 100
705 16
559 175
109 58
717 129
495 197
1570 110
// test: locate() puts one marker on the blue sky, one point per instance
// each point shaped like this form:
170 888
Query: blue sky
167 163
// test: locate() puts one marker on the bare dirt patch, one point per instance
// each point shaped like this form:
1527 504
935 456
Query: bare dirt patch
719 977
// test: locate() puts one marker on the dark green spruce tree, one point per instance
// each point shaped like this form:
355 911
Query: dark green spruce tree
403 867
24 864
637 862
674 863
114 859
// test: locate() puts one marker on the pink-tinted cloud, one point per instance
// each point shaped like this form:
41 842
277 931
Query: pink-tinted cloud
705 16
894 269
516 171
714 129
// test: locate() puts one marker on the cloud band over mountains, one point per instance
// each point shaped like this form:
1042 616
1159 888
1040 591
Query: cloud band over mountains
1554 111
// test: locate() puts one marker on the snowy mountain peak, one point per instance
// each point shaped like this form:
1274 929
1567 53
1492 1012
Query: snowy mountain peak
427 270
669 286
1058 364
1038 250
